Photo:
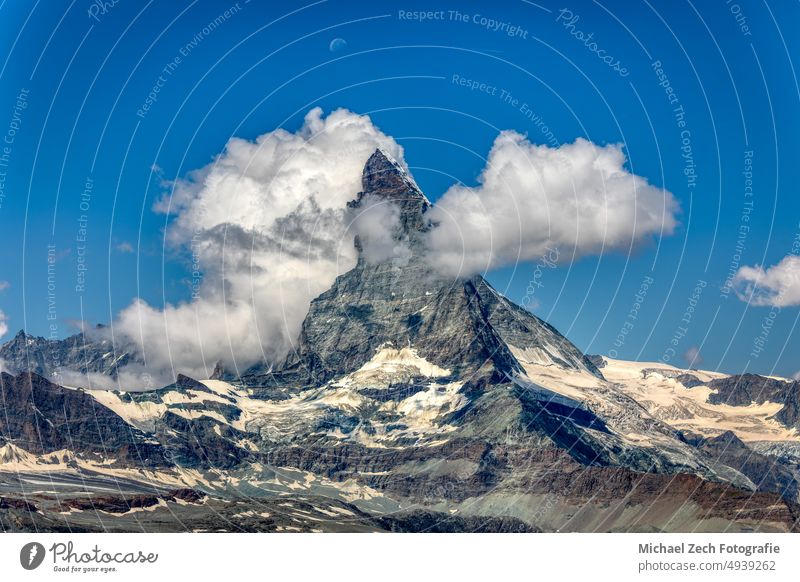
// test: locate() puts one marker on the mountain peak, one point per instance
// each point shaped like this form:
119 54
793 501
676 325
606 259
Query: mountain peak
24 337
385 179
384 175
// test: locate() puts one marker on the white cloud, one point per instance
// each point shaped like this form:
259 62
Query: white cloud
3 323
125 247
376 224
776 286
577 197
266 223
4 285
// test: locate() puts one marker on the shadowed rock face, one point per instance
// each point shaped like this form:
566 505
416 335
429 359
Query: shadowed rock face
463 325
688 380
200 443
789 415
385 178
744 389
42 417
113 504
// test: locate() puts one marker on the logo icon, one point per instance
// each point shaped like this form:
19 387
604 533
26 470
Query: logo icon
31 555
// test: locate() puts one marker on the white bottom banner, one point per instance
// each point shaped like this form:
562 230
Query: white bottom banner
387 557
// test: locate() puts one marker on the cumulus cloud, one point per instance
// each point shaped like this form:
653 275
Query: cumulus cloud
776 286
265 228
578 197
3 323
125 247
376 223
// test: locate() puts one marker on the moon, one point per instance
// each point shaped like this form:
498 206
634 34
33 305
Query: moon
337 44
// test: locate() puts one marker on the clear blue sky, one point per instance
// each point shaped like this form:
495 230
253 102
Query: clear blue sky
84 72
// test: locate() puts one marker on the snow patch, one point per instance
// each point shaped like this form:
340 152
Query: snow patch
390 365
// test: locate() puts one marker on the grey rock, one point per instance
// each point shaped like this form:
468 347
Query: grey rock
598 361
766 473
689 380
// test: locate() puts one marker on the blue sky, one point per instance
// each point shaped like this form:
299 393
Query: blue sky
84 73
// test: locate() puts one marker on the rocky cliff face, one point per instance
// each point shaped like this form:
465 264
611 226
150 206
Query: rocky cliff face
41 417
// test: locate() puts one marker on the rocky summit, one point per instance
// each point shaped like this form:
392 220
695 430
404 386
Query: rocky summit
411 402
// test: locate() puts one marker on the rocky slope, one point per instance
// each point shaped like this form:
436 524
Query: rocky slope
42 417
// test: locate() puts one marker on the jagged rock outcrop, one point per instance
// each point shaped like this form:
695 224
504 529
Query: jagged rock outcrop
789 415
689 380
84 353
767 473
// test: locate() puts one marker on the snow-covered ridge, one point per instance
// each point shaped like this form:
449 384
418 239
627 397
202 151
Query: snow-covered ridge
688 408
654 387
